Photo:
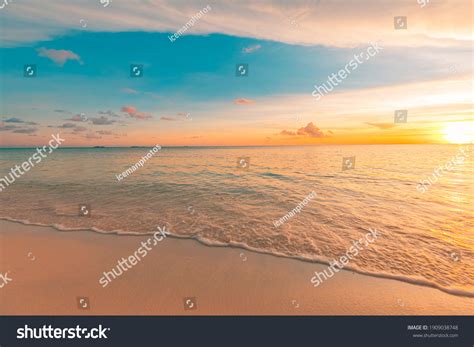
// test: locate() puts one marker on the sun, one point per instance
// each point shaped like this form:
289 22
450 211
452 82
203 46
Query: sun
459 132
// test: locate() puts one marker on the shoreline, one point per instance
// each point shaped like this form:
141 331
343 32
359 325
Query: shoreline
225 280
411 280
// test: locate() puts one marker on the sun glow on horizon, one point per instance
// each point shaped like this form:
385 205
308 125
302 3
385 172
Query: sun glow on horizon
459 132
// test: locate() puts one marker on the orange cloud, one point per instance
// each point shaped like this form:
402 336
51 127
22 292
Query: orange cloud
382 125
310 130
242 101
134 113
287 132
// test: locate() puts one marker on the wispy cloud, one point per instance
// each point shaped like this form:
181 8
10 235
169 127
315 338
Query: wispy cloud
102 120
77 118
13 120
25 131
18 129
18 120
382 125
251 49
67 126
59 56
288 133
130 91
242 101
76 129
448 24
179 116
63 111
92 136
168 118
109 113
110 133
104 132
79 129
4 127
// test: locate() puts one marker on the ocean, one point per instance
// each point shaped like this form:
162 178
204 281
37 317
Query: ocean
207 194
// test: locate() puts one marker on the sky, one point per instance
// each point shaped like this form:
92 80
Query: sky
189 92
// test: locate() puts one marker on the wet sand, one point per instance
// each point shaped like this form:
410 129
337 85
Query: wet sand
51 269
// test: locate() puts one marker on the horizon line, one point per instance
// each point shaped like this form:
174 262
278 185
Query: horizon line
235 146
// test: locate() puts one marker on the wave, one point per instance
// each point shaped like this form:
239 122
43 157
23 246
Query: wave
275 175
212 243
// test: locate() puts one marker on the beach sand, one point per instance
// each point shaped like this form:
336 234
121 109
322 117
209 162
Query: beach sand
50 269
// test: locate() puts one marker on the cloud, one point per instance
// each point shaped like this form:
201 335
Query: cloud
287 132
382 125
67 126
109 113
242 101
60 56
102 120
63 111
251 49
134 113
168 118
448 22
110 133
13 120
77 118
130 91
309 130
79 129
74 127
25 131
104 132
18 120
92 136
179 115
4 127
17 129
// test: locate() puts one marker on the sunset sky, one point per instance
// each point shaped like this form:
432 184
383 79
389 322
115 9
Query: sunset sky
189 93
